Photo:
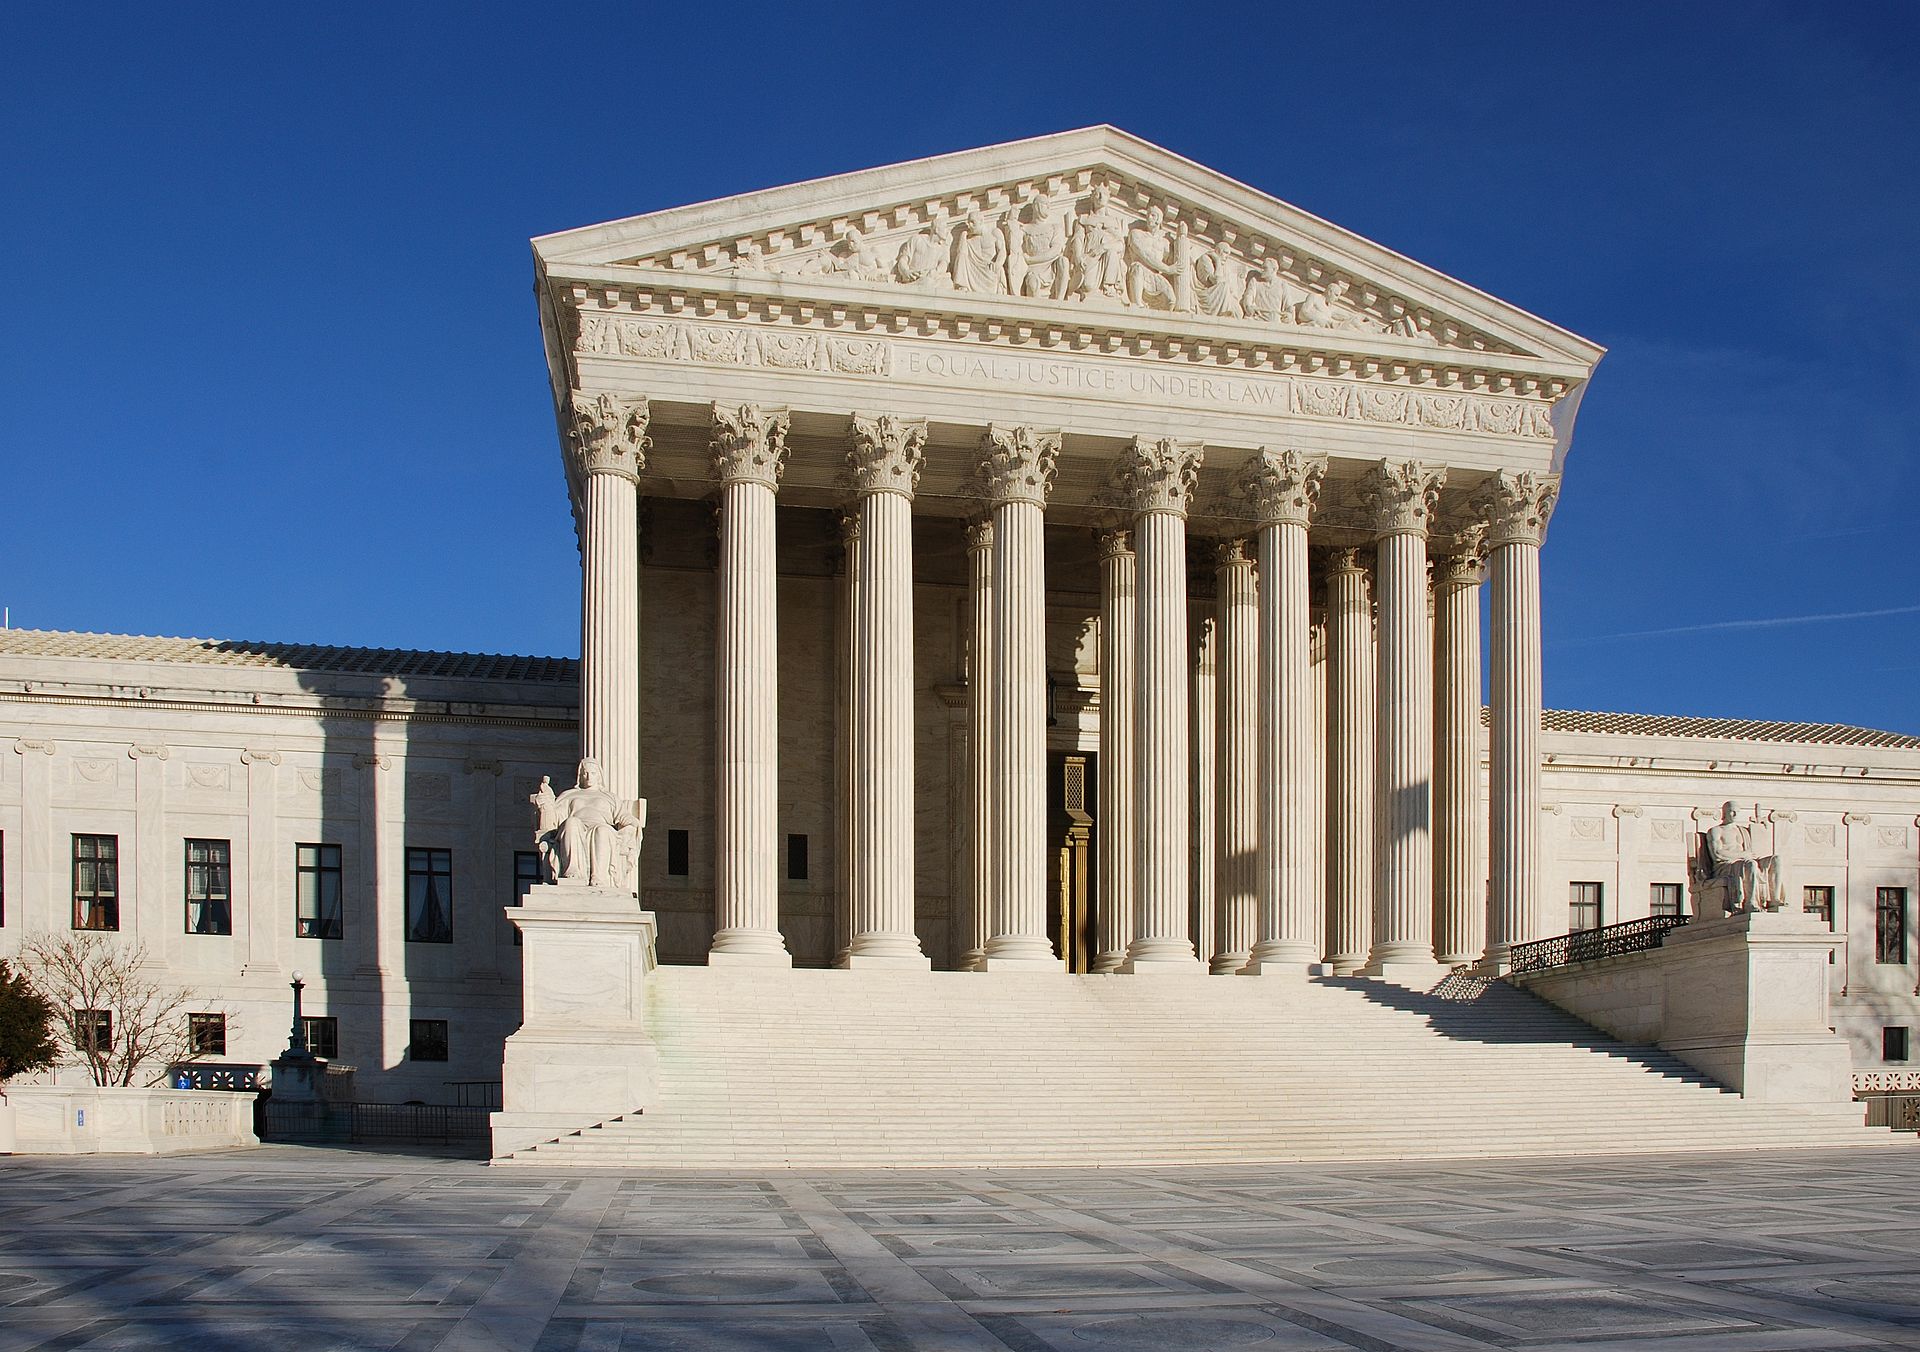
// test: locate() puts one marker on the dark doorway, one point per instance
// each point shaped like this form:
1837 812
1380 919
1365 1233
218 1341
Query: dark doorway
1072 887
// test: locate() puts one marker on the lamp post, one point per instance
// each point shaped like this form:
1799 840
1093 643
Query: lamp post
297 1039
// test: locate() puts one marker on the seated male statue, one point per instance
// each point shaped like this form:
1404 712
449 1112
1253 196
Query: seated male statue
586 835
1749 880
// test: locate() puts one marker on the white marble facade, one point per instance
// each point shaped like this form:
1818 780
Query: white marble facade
894 490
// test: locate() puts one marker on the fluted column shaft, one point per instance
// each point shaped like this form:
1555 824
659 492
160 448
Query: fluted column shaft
1350 710
1203 731
1283 489
885 465
1404 495
979 742
1159 477
749 448
1239 740
1459 902
610 632
1018 470
607 442
1516 508
1114 830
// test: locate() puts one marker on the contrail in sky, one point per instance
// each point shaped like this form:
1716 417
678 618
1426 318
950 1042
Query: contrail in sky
1775 622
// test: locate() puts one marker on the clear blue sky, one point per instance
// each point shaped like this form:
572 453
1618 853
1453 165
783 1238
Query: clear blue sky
269 365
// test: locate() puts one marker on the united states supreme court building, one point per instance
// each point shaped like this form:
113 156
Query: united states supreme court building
1029 709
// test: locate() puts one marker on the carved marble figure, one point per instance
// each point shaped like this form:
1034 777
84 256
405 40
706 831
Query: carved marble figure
980 257
1150 275
587 836
1732 862
922 260
1038 251
1222 283
1096 254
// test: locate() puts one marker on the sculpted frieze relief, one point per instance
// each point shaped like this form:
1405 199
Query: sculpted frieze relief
1087 238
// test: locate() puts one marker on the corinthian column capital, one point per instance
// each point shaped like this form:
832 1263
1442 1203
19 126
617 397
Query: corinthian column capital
1017 464
885 454
1158 474
1281 487
1466 565
608 434
1515 506
749 444
1400 496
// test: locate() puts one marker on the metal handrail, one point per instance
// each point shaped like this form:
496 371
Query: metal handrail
1632 936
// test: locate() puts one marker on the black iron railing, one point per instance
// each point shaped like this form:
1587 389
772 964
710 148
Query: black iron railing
374 1123
1899 1111
205 1075
1634 936
476 1093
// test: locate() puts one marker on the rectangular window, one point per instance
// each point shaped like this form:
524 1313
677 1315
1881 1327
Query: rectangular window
1667 899
1894 1044
797 858
316 891
1890 925
96 882
427 1040
323 1035
207 1034
1583 907
209 898
1818 901
526 872
93 1030
676 854
429 896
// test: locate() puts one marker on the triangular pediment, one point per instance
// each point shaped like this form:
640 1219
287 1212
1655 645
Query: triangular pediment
1085 227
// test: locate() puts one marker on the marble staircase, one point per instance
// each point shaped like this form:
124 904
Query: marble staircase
817 1069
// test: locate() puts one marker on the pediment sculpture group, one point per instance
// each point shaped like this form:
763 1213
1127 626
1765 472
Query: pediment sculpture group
1049 249
587 837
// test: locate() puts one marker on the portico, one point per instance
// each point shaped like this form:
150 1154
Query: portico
1030 406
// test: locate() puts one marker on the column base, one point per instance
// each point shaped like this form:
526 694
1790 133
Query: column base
970 961
1346 965
1226 964
899 962
1414 976
1022 962
1165 966
1105 964
748 958
1300 971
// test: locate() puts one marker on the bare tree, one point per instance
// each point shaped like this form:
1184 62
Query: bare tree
87 975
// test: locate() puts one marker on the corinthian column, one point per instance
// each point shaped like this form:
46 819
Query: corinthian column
1350 798
1114 832
1459 902
1238 742
1400 497
1516 507
1158 477
884 465
1016 469
608 440
749 451
979 742
1282 488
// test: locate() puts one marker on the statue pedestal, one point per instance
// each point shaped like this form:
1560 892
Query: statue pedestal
582 1054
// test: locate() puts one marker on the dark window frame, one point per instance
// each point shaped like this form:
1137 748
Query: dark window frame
428 922
321 920
1661 896
425 1037
207 1033
214 893
798 860
96 907
323 1034
1890 926
1896 1044
1819 899
679 854
1578 901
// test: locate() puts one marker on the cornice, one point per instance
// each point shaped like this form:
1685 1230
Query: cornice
422 713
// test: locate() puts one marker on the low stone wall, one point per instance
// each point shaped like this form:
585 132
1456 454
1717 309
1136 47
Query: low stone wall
91 1120
1742 999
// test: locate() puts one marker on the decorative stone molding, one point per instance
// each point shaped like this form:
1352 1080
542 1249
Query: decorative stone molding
484 767
251 755
157 750
1858 819
749 444
363 759
24 745
1114 544
1515 506
1399 497
608 434
1158 474
1886 1081
1281 487
886 454
213 778
1017 464
1628 810
1466 566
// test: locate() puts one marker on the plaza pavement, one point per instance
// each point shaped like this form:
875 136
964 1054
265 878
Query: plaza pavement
308 1250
